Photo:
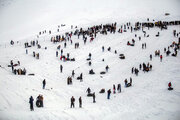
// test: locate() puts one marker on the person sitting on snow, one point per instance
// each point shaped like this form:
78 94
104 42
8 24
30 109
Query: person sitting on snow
169 85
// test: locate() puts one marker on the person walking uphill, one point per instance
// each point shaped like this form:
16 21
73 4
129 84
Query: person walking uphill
31 103
108 94
44 83
72 101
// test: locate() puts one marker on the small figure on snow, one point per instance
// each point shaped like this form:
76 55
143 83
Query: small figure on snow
108 94
44 83
80 102
31 103
107 68
72 101
94 97
170 86
61 68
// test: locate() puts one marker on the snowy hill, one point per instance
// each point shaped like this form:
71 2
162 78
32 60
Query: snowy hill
147 98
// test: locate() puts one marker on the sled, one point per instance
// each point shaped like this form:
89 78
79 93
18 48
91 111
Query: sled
129 84
174 55
90 95
170 88
38 103
91 72
157 35
121 56
102 91
13 65
166 14
88 59
31 74
73 59
102 72
79 78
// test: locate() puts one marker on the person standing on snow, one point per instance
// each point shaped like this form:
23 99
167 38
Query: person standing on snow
61 68
88 90
73 73
125 81
150 56
31 103
80 102
56 53
72 101
130 80
114 89
107 68
81 77
119 87
89 55
61 52
108 94
44 83
94 97
26 51
161 58
102 48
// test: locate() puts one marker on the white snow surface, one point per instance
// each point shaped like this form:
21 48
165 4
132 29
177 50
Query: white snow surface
147 98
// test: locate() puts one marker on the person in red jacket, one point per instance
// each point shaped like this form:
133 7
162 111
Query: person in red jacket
169 85
161 58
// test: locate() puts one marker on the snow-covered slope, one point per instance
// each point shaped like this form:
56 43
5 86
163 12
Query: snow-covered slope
147 99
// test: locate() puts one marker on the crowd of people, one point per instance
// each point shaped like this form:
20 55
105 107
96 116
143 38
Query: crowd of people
90 34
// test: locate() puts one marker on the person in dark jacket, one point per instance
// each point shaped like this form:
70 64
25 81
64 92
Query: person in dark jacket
81 77
44 83
80 102
119 87
88 90
125 81
132 70
61 68
72 101
94 97
108 94
61 52
12 65
31 103
114 89
130 80
107 68
73 73
89 55
103 48
56 53
140 66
